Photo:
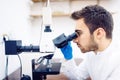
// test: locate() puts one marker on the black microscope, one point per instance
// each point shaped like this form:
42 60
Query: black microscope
39 70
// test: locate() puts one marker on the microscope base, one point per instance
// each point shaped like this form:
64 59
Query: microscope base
42 71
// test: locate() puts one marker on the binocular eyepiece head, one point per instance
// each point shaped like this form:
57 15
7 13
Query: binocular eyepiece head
63 40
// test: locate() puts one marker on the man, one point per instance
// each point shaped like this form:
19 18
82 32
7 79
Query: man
94 26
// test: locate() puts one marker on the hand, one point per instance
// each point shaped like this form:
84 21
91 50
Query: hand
67 51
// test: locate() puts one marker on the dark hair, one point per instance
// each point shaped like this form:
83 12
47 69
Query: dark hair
94 17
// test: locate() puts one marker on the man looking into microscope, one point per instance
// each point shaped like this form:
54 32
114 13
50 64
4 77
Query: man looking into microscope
94 27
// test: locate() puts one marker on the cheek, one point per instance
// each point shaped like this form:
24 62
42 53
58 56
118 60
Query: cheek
84 39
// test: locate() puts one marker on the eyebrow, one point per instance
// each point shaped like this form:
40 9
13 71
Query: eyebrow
78 30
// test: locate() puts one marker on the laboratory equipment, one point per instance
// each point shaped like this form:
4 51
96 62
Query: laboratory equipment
63 40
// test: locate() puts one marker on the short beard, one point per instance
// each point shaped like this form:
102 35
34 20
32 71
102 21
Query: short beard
92 46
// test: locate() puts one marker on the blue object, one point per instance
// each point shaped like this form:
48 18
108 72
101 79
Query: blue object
67 51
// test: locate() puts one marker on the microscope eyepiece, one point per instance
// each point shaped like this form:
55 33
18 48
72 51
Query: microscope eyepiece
72 36
63 40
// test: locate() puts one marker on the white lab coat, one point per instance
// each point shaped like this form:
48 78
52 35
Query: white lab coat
103 66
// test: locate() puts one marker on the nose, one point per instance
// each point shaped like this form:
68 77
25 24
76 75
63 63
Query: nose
75 40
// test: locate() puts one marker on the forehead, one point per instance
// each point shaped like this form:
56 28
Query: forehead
80 25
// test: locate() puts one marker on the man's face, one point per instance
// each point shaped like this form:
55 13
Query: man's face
85 41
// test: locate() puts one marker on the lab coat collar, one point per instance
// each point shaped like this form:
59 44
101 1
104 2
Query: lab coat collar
107 49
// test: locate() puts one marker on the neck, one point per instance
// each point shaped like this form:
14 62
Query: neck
103 44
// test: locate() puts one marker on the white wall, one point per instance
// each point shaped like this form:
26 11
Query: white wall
16 23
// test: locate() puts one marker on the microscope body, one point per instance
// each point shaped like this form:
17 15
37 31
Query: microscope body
14 47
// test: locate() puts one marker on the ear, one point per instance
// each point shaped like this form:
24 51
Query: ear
99 33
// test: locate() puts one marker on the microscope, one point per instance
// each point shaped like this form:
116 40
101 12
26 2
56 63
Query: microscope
39 69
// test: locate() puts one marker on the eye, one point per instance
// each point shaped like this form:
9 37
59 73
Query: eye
79 32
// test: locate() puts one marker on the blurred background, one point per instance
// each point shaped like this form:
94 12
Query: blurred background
26 19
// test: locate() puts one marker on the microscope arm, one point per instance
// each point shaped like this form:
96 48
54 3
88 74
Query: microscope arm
14 47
